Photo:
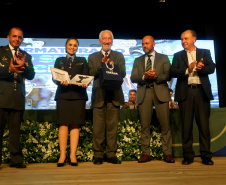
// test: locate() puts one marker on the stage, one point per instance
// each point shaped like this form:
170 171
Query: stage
217 126
151 173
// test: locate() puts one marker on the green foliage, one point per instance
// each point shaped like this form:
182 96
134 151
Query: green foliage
40 144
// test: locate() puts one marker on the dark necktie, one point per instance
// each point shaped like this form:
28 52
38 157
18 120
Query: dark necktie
15 74
70 60
14 62
148 68
149 63
16 52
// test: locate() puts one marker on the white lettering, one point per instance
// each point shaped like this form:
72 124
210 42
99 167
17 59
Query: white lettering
111 72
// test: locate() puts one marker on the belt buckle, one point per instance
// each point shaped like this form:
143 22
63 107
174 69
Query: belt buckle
194 85
151 86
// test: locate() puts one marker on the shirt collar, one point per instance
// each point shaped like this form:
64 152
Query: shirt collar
72 57
103 52
191 51
12 48
152 54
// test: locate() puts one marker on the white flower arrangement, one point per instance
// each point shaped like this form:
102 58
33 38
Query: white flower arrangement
40 144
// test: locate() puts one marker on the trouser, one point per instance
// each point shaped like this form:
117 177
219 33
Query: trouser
14 118
105 125
198 105
162 113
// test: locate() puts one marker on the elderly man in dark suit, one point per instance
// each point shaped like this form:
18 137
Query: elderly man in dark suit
191 67
151 73
15 67
105 103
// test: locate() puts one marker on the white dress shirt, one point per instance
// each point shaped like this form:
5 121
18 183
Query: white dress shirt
193 77
13 50
103 52
152 59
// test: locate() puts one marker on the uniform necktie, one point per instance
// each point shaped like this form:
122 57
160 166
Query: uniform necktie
15 52
14 62
15 74
70 60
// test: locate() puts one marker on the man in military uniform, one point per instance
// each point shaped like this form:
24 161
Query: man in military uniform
15 67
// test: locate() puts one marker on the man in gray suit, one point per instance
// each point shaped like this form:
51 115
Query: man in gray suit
151 73
105 103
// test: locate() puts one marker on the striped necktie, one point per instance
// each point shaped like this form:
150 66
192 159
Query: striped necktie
149 63
148 68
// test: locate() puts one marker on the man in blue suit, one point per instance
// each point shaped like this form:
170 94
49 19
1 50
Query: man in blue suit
191 67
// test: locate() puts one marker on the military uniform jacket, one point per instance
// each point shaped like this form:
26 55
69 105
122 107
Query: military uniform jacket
12 85
71 92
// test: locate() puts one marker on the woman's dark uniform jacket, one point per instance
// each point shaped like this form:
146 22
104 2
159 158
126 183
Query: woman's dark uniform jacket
71 92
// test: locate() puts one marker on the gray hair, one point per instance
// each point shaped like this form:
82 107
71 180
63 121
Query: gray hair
100 35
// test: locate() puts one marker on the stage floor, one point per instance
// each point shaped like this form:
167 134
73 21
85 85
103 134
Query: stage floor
151 173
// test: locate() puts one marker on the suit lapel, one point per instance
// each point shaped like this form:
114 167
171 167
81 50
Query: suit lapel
185 57
74 61
65 62
100 56
156 59
198 55
111 56
9 53
143 63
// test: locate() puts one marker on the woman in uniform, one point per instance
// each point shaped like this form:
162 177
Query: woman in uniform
70 101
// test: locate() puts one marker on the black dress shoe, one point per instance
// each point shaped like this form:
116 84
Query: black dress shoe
98 161
114 160
60 164
19 165
207 161
187 161
73 163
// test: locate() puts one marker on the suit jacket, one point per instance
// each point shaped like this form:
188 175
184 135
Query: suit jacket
71 92
10 97
178 69
99 94
162 67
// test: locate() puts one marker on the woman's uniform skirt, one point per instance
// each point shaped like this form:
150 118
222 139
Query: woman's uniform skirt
71 111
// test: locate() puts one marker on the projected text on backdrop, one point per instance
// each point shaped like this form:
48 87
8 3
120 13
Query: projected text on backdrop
40 92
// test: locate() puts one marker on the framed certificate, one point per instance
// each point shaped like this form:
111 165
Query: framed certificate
61 75
81 79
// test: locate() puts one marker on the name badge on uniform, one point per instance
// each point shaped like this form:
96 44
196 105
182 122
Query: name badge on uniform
79 64
4 58
61 65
